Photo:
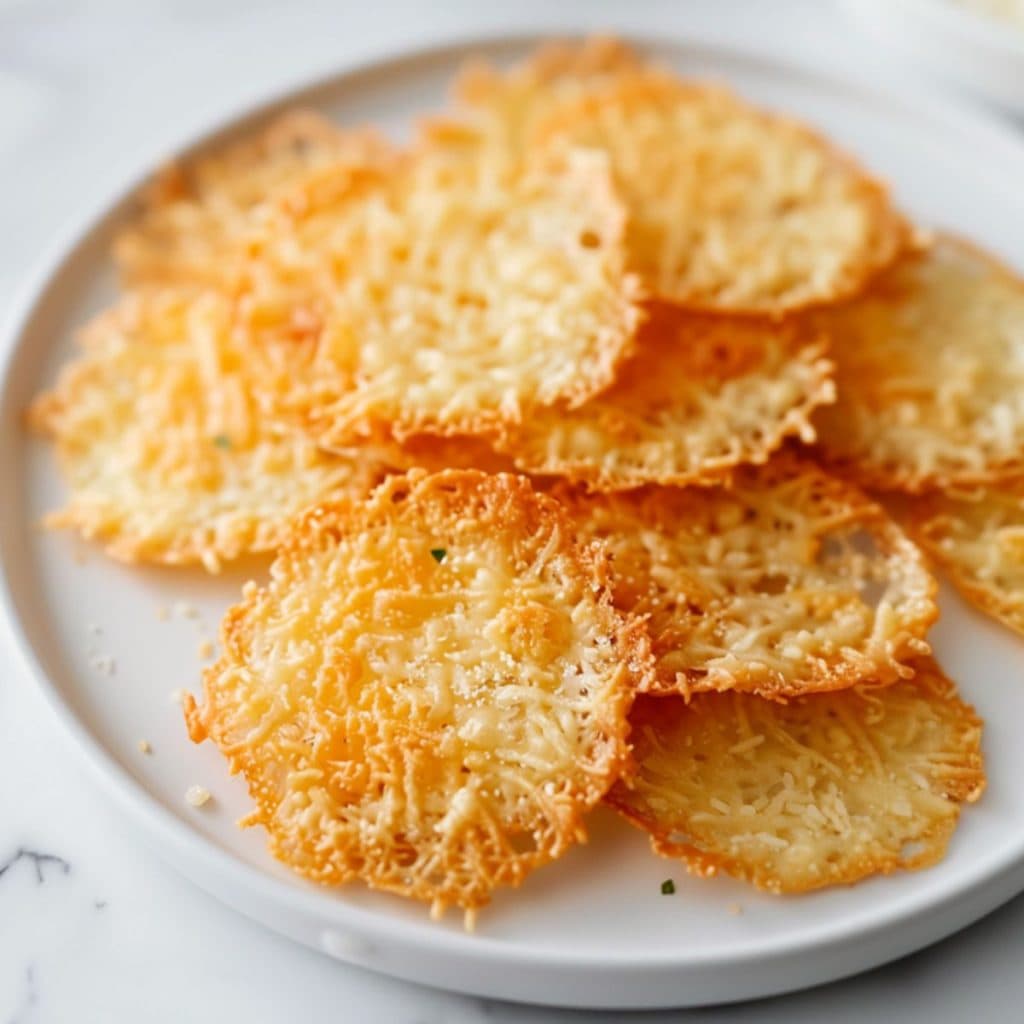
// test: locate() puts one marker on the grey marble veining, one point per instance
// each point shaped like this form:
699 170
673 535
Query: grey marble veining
38 860
93 925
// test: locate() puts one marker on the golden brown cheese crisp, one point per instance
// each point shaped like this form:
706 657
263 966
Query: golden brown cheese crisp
197 220
701 395
430 691
788 582
977 537
930 374
731 209
824 790
508 103
168 454
458 292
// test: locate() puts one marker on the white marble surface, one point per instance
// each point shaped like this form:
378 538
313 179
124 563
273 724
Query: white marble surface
102 930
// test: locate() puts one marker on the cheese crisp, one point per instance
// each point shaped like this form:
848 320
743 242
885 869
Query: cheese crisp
731 209
199 221
430 691
508 104
701 395
977 537
787 583
167 454
824 790
462 291
930 371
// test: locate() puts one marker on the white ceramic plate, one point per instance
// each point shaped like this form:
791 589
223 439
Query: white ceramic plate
979 52
593 929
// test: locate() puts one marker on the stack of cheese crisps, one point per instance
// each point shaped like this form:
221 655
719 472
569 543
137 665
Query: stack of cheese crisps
560 423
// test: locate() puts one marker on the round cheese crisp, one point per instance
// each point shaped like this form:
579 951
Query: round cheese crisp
823 790
930 374
701 395
977 537
731 209
168 453
430 691
463 292
197 219
788 582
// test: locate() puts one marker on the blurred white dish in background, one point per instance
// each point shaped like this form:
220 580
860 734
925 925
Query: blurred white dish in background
1010 10
977 45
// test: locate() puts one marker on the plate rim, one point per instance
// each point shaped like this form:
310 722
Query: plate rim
198 857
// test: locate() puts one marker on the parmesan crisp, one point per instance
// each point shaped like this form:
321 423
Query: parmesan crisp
702 395
930 374
787 582
169 455
430 691
976 536
823 790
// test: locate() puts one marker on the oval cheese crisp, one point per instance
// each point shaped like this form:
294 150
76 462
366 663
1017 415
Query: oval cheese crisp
701 395
930 373
977 538
431 690
731 209
823 790
168 453
788 582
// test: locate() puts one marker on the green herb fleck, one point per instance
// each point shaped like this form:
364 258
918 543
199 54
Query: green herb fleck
668 887
222 441
438 554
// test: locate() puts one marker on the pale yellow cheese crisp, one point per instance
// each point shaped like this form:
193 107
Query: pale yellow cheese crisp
977 537
930 374
701 395
463 292
824 790
731 209
789 581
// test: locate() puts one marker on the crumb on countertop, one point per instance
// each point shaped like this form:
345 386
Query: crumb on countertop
185 610
197 796
206 649
103 663
177 696
144 747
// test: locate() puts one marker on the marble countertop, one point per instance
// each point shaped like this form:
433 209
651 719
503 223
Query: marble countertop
93 926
